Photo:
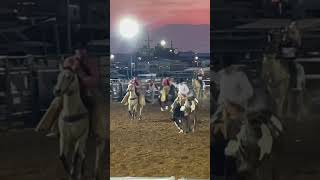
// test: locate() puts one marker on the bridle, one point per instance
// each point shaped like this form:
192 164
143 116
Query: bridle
71 81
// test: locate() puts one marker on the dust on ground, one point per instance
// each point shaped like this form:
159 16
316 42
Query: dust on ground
153 147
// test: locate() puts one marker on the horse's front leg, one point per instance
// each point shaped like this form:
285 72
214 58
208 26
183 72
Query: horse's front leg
98 171
64 150
140 112
74 163
130 111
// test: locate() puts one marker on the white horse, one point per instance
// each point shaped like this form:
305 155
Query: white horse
135 102
196 85
277 79
73 123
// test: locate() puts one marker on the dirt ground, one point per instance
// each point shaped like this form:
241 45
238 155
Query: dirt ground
153 147
27 155
300 158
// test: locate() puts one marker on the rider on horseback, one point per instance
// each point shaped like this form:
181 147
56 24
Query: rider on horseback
183 96
86 69
200 76
135 82
235 92
166 88
290 44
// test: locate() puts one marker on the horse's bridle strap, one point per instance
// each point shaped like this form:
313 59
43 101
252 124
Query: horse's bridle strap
76 117
133 98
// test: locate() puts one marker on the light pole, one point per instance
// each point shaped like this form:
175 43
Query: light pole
196 60
129 28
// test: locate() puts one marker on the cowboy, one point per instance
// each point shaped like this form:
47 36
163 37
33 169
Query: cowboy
235 92
152 87
200 76
165 89
289 48
135 82
87 71
183 94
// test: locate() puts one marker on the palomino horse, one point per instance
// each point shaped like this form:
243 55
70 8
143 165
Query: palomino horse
135 102
73 123
277 80
196 85
164 97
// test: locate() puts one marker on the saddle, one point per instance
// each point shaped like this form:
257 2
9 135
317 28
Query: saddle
232 110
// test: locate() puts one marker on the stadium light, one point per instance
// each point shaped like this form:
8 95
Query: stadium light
163 43
129 28
196 58
112 56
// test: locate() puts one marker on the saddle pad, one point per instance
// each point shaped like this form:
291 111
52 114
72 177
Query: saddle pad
163 96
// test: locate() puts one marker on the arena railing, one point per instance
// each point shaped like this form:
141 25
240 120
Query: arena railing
153 178
143 178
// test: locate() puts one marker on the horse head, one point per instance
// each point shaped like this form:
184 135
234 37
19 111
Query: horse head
67 82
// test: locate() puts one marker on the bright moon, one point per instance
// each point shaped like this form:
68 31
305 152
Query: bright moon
129 28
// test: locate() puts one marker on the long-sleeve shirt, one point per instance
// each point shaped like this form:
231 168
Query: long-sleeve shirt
136 83
87 71
152 87
183 89
234 87
166 82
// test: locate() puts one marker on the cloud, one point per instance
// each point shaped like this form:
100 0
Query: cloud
152 12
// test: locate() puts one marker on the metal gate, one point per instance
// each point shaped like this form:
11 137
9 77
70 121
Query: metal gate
16 93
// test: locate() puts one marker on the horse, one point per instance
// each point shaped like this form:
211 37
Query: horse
135 102
196 85
73 123
251 136
254 145
186 115
164 98
277 80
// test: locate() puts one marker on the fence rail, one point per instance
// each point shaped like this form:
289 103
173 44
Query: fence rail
28 86
152 178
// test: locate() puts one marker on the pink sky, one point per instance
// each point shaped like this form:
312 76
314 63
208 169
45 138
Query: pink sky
156 13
